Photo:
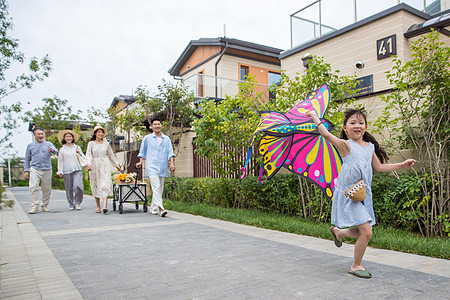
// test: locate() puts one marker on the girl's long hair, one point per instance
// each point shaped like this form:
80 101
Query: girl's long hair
367 137
94 136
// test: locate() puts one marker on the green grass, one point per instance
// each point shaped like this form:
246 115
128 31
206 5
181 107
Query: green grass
383 238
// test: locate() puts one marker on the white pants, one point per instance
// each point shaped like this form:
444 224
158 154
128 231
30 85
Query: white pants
44 177
157 184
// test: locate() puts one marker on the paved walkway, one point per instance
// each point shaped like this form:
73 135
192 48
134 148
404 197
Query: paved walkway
83 255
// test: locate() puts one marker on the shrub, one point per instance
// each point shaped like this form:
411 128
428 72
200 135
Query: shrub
397 201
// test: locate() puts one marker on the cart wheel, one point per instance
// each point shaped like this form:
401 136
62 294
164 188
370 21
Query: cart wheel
115 192
137 205
114 205
120 208
145 207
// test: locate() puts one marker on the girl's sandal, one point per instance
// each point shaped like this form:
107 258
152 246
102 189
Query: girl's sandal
97 211
337 242
361 273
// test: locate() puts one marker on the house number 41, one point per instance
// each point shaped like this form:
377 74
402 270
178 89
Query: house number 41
386 47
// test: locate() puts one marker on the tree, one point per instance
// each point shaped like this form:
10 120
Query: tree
295 90
172 104
233 120
53 115
38 69
225 127
417 116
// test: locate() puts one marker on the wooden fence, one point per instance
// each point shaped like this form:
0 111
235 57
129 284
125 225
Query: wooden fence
203 167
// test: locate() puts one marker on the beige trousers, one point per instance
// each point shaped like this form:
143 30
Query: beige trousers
44 177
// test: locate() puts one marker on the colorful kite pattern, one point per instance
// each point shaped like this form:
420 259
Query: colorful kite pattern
292 140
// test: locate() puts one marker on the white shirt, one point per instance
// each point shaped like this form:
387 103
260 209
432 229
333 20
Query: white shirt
67 159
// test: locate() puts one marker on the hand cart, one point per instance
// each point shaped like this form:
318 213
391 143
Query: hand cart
130 193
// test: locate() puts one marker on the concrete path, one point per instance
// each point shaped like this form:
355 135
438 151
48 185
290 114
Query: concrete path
83 255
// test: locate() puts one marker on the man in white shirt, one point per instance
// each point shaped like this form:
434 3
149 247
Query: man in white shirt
157 150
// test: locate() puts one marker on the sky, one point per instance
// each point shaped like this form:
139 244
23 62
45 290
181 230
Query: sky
105 48
101 49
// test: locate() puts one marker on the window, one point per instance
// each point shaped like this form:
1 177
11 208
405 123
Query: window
243 72
274 78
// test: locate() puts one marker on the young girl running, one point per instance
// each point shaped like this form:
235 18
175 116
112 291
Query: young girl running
360 152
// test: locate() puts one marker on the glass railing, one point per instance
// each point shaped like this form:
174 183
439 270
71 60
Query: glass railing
205 86
322 17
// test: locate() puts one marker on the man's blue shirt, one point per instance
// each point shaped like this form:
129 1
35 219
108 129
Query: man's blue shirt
38 156
156 157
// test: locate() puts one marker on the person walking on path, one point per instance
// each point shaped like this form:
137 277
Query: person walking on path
99 158
70 168
38 170
360 153
157 150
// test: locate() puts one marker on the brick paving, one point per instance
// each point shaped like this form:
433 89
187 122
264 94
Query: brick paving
135 255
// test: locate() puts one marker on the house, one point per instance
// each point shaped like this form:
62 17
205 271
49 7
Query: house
213 68
125 143
365 47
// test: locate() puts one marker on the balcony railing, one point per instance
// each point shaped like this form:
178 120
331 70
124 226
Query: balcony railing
205 86
322 17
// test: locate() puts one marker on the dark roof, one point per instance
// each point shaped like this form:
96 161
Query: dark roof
83 125
125 98
221 41
387 12
437 23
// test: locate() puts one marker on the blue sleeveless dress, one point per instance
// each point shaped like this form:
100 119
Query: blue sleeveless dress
356 166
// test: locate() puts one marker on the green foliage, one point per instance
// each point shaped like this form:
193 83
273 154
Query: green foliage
294 90
226 127
54 114
172 104
9 55
397 201
417 116
280 194
4 203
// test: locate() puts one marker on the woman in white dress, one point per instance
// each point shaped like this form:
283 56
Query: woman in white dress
70 168
99 158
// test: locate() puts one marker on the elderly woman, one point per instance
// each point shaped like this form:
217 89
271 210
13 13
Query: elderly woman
99 158
70 169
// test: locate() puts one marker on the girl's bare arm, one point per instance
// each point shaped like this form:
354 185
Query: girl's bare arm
379 167
341 144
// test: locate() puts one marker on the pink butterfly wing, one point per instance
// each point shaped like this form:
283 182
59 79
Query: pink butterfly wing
274 151
317 101
316 159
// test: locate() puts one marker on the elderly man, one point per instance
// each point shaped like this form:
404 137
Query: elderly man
38 169
157 150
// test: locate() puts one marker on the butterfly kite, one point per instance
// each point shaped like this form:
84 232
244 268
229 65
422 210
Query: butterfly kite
292 141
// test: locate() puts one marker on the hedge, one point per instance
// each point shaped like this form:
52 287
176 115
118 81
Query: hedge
282 194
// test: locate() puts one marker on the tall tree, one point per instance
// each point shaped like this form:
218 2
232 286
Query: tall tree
225 127
53 115
38 69
172 103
